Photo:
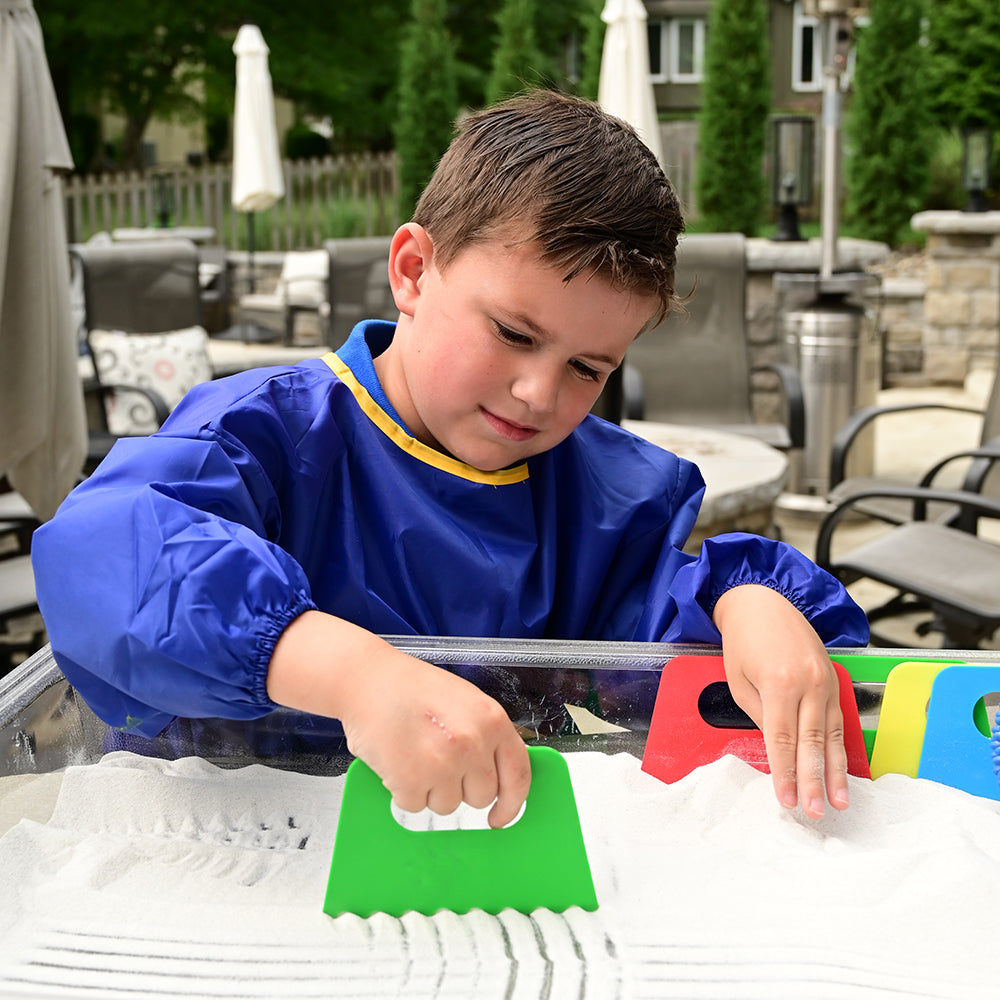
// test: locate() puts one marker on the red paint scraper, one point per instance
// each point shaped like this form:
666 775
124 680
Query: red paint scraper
690 726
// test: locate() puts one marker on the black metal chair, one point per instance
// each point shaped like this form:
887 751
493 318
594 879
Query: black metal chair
892 509
947 569
21 628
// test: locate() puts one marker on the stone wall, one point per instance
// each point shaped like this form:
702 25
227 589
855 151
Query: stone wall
901 325
962 298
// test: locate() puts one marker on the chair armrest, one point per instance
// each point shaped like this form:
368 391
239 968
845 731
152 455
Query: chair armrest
860 419
160 409
920 497
791 386
976 474
22 527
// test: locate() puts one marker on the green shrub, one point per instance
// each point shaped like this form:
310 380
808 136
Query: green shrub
735 105
517 62
944 188
889 125
964 62
428 99
302 143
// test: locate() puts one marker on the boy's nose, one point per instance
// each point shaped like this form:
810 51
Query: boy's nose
537 388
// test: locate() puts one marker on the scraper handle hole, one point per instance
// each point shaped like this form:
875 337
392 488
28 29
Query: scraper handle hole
465 817
718 708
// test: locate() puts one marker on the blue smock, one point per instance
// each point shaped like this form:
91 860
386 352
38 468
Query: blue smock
167 577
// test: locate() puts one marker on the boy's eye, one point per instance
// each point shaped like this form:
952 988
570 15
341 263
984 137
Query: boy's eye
511 336
585 371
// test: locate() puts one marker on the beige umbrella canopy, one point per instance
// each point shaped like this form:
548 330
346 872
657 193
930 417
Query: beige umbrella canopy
43 439
258 181
625 89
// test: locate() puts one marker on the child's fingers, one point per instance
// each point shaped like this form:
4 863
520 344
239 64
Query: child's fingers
836 759
445 797
513 780
480 784
810 756
779 724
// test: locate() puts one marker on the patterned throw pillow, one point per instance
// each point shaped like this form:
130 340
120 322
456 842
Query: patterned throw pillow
168 363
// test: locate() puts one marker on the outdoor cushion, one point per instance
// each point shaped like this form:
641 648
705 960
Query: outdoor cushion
303 278
169 363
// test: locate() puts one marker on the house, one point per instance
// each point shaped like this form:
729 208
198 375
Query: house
677 33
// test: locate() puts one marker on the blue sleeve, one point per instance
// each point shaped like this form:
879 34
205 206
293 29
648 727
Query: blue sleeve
160 585
690 591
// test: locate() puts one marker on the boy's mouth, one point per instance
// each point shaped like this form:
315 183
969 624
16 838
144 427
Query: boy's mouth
508 429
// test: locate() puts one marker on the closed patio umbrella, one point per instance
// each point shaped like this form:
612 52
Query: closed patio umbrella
43 435
258 181
625 89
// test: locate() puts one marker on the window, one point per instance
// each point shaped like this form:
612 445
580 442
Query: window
807 52
687 50
658 33
677 50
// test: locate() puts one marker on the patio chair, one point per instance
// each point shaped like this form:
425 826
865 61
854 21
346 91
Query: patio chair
358 284
947 569
21 628
142 310
695 368
892 509
301 288
216 288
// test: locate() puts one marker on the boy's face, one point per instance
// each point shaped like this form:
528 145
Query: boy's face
496 358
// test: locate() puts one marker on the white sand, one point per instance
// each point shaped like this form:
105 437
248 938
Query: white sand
179 879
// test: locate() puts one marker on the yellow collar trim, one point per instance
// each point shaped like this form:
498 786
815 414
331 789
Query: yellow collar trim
409 444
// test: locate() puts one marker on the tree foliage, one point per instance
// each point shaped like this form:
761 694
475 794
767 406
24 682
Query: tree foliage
428 99
150 56
592 30
736 99
964 66
889 125
338 61
518 63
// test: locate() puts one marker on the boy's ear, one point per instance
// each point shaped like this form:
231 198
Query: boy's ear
410 254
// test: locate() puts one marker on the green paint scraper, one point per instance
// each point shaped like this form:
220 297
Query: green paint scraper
540 860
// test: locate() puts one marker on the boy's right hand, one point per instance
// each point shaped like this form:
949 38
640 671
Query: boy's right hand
433 738
436 740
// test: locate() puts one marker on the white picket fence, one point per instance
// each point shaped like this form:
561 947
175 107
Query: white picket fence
350 195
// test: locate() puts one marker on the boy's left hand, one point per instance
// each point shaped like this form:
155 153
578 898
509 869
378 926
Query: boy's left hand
781 676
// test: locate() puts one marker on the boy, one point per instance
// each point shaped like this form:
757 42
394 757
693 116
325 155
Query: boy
442 477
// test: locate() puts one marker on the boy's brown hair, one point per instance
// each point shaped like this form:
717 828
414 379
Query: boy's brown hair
578 181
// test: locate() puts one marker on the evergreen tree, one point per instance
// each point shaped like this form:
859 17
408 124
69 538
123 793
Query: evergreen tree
593 29
517 62
964 62
889 125
428 99
733 122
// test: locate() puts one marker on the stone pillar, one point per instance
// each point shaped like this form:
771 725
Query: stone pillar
962 297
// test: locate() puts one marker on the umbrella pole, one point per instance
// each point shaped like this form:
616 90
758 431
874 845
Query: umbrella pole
250 275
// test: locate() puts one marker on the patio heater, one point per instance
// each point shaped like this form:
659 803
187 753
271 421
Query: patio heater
977 152
826 325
